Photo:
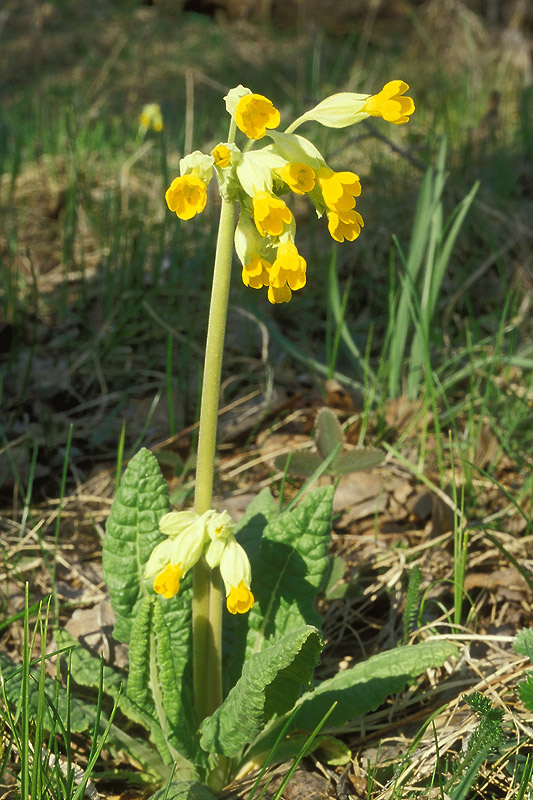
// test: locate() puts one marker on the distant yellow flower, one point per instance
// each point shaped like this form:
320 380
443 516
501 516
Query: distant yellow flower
270 214
151 117
346 225
298 177
186 196
167 582
390 104
221 155
254 114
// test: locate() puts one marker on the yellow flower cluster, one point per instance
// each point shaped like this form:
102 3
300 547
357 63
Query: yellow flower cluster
258 179
192 536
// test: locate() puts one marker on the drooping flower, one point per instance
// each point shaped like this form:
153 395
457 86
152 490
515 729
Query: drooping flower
288 269
339 189
186 196
390 103
270 214
256 272
172 558
236 573
151 117
167 582
345 225
254 114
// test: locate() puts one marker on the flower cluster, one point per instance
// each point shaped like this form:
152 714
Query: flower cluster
192 536
289 163
151 117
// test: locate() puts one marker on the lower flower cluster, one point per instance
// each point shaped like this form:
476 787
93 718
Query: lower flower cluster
258 180
192 536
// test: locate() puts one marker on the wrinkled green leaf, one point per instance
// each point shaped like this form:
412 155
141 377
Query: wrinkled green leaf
131 534
176 692
289 570
357 690
154 686
365 686
270 684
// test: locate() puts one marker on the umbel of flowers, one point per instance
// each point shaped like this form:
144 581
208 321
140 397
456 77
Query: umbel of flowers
258 180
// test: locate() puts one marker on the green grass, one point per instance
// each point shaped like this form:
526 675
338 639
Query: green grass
103 292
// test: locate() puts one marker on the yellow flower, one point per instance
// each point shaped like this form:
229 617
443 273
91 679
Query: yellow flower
221 155
282 295
236 573
298 177
151 117
167 582
390 104
339 189
240 599
270 214
256 272
288 268
171 559
187 196
254 114
346 225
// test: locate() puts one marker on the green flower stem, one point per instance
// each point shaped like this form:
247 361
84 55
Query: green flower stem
207 603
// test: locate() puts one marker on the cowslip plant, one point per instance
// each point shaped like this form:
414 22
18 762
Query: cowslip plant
217 691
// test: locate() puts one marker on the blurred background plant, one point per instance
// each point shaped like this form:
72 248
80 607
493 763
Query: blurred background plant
418 336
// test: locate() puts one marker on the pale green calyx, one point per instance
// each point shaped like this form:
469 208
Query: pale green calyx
255 168
337 111
198 163
233 96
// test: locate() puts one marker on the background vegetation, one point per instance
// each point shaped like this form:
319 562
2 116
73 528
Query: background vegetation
418 334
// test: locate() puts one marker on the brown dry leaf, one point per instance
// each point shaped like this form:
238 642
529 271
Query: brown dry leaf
93 628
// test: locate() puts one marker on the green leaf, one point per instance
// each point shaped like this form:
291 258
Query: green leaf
328 432
357 459
270 684
523 643
155 686
131 534
184 790
335 587
176 700
289 570
525 690
365 686
301 464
